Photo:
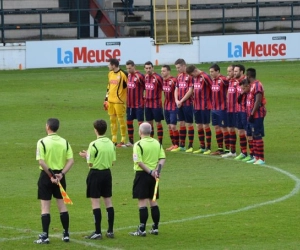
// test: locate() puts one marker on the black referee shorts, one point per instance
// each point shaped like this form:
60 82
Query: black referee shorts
99 183
143 186
46 188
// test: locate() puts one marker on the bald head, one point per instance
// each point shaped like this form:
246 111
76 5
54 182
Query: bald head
145 129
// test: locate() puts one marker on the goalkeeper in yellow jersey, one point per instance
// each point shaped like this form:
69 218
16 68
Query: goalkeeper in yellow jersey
115 100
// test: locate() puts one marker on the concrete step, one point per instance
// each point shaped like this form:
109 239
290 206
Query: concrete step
34 34
32 4
139 32
35 18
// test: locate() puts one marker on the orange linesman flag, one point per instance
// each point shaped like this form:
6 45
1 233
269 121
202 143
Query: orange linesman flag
65 196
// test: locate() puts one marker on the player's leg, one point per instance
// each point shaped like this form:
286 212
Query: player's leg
167 118
197 117
224 127
258 134
141 191
44 195
158 117
120 112
205 117
188 111
113 122
182 131
93 192
130 115
215 117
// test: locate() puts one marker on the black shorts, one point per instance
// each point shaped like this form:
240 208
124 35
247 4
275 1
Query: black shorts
143 186
99 183
46 188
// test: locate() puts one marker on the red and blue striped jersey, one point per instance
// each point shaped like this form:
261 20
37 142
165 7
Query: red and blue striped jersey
184 83
241 107
153 86
135 90
256 88
232 95
202 91
219 93
169 88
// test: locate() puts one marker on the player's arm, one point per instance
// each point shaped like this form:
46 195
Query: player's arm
257 104
187 94
124 78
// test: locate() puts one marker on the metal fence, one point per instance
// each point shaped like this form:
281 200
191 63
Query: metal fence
86 19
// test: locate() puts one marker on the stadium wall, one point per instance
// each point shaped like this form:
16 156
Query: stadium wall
96 52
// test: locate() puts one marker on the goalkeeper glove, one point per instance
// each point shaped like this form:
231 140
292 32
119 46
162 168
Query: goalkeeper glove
105 105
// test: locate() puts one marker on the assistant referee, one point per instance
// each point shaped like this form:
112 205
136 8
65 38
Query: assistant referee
147 154
100 156
53 152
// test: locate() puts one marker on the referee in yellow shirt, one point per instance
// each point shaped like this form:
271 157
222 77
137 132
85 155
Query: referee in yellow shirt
100 156
53 152
147 154
115 100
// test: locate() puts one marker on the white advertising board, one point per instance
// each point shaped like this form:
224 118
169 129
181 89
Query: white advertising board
82 53
249 47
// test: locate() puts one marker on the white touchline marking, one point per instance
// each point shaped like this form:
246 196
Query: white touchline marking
15 238
295 190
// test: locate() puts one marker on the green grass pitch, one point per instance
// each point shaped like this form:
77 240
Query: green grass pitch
206 202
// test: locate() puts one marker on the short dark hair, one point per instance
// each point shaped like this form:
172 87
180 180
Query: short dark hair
244 82
190 69
251 72
130 62
53 124
167 67
215 66
148 63
180 61
100 126
241 67
114 62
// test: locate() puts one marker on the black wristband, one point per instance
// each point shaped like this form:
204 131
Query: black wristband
63 174
150 172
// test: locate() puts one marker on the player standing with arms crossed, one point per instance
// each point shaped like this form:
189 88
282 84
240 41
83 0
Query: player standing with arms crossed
135 99
148 153
100 156
53 152
115 100
170 108
202 107
153 100
184 101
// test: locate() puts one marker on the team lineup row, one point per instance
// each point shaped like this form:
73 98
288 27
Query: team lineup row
233 104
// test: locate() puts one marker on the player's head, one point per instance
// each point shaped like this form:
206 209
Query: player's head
180 65
100 126
148 66
192 70
238 71
145 129
52 124
165 71
130 66
214 71
245 85
113 63
230 71
251 74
